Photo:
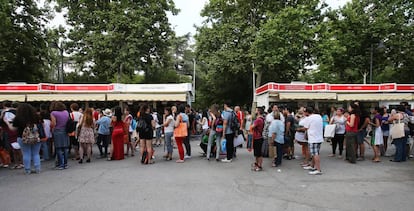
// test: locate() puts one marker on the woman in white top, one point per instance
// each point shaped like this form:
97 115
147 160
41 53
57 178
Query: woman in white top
339 120
248 121
300 137
168 132
204 123
76 116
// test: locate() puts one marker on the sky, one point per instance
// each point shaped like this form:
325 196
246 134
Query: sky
189 15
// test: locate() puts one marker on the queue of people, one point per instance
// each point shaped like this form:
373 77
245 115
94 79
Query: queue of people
28 133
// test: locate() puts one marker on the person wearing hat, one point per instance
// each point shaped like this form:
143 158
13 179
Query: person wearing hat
104 132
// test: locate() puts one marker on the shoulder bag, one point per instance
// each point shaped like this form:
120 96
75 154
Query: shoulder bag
181 130
397 130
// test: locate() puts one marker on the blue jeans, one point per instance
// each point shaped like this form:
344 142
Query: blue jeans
168 141
211 142
62 154
279 152
44 145
30 152
400 148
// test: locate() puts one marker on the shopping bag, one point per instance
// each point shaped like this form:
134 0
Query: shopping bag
397 130
181 130
239 140
329 131
223 145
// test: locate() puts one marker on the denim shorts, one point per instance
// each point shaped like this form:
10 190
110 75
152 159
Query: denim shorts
314 148
361 136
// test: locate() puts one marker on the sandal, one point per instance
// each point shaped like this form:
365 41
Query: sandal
258 168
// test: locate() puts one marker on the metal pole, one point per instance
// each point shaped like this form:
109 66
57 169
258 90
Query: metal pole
194 80
370 64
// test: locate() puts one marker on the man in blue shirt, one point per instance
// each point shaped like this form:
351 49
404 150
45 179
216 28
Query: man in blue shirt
104 133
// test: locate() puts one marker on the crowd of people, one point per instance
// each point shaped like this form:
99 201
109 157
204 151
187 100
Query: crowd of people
29 135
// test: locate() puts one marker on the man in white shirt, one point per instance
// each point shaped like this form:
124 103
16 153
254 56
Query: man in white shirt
313 125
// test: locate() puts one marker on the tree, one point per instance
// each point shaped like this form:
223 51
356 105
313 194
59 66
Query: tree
121 37
23 42
351 34
237 40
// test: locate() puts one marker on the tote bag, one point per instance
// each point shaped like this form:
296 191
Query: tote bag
329 131
181 130
397 130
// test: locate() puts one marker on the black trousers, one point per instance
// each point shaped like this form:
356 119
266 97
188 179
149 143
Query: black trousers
338 139
187 144
230 145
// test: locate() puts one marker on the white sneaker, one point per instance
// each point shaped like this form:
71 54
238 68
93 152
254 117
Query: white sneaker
315 172
309 168
187 157
226 161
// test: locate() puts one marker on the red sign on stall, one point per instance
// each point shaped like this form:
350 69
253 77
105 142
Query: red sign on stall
320 87
405 87
295 87
353 87
262 89
47 87
82 87
22 87
388 87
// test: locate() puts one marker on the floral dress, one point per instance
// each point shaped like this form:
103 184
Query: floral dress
86 135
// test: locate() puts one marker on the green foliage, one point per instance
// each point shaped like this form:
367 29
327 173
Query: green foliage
23 44
125 36
273 39
344 50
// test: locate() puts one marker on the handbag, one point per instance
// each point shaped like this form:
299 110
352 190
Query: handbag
397 130
329 131
181 130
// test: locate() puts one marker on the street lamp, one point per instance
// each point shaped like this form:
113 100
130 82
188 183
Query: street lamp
380 45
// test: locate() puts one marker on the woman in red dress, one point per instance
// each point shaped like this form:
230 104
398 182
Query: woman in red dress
117 136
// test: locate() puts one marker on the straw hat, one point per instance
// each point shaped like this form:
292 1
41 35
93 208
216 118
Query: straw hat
107 112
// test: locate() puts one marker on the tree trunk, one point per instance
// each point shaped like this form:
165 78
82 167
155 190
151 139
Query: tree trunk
258 81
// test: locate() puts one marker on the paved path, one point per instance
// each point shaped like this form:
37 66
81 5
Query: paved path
199 184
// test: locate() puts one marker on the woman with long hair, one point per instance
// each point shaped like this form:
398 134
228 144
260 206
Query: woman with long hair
181 117
117 149
86 135
377 136
26 116
204 123
168 132
146 134
351 128
215 131
59 117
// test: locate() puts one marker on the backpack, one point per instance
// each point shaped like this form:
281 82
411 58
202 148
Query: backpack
142 125
71 126
134 124
30 134
234 122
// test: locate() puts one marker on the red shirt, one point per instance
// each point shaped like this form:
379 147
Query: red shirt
353 129
240 116
258 128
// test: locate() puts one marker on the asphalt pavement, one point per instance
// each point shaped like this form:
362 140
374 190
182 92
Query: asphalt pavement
199 184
